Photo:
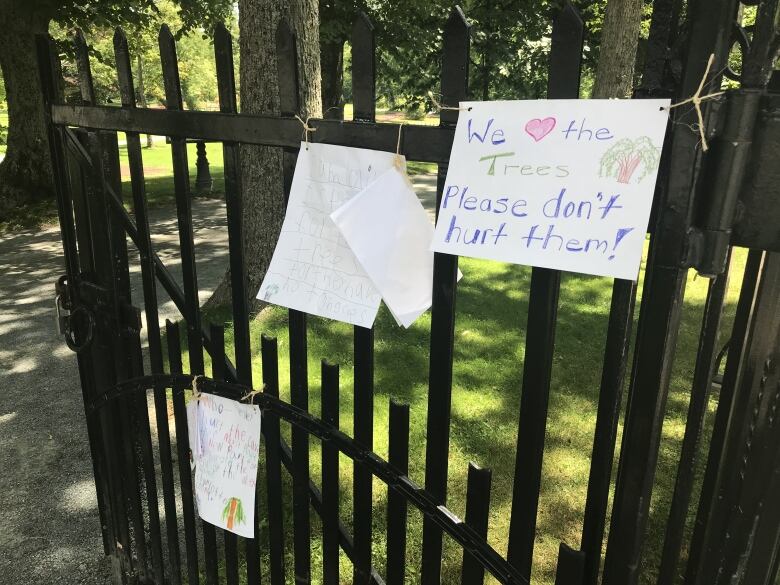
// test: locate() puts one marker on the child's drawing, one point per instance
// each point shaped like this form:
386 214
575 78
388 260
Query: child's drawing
627 156
233 513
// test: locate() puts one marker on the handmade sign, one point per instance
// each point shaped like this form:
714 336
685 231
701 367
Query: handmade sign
228 445
564 184
313 268
390 233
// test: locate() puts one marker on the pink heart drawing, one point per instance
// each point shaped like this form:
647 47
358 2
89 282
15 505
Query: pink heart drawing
538 128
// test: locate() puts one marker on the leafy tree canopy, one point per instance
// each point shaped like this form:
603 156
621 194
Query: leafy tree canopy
510 43
189 19
110 13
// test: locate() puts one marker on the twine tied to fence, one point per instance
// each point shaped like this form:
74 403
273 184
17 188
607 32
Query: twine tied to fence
398 162
441 107
195 391
250 396
306 129
696 99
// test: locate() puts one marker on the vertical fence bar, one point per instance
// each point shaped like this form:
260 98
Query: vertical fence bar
742 528
122 445
299 376
477 516
563 82
273 463
571 566
726 399
330 477
454 85
616 347
660 314
226 85
109 165
217 351
181 176
135 160
112 349
396 503
697 409
364 106
143 436
173 339
181 183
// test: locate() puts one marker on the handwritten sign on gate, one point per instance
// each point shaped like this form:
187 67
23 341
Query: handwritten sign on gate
565 184
225 453
313 268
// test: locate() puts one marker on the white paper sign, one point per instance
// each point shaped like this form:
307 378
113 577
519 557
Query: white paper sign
313 268
390 233
564 184
226 466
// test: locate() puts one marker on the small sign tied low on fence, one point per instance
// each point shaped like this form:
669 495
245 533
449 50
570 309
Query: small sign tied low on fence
564 184
224 448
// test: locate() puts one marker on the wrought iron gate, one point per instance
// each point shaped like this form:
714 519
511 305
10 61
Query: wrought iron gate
705 203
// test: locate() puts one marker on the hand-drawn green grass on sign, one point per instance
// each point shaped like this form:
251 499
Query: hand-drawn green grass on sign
626 156
233 512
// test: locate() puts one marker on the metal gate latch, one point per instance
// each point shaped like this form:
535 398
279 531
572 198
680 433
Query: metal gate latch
66 315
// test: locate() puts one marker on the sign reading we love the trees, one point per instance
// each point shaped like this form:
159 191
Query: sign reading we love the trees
565 184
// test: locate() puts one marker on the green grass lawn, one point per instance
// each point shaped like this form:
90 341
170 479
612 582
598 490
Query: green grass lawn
158 174
489 346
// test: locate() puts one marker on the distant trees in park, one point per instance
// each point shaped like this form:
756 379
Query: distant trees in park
509 51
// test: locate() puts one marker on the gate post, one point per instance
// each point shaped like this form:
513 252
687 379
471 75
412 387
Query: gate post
711 25
737 532
77 262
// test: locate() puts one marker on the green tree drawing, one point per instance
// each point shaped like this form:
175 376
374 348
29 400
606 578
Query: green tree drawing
233 513
626 156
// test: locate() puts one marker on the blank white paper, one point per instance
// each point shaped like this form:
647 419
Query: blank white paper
390 233
313 269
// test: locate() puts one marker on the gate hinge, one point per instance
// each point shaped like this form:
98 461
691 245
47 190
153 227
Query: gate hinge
723 173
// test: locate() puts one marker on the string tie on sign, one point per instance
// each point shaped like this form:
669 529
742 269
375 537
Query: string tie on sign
441 107
250 396
398 163
195 391
306 129
696 99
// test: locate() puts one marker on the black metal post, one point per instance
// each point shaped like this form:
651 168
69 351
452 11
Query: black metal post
203 180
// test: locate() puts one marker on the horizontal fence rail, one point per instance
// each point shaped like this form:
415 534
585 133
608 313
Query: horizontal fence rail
421 143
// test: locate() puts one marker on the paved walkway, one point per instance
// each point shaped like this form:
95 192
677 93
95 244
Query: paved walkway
49 525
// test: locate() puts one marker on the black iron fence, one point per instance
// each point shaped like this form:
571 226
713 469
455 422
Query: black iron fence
137 476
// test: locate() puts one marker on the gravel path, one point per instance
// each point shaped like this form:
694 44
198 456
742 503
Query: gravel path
49 525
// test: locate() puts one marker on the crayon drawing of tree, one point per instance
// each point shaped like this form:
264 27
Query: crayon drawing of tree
626 156
233 512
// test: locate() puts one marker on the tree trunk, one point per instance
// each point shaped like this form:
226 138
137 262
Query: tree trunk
617 55
26 171
261 167
140 92
332 63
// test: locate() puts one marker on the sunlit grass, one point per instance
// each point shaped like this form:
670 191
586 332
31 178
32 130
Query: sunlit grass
492 305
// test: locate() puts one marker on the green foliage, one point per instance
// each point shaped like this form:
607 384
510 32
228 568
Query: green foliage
106 14
510 45
197 69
